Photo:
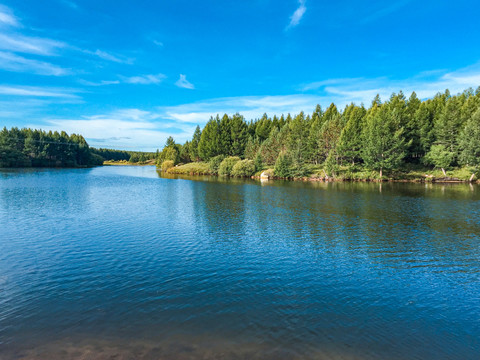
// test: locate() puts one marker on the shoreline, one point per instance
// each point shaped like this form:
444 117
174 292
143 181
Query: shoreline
126 163
426 176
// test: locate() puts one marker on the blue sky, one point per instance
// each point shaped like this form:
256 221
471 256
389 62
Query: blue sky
128 74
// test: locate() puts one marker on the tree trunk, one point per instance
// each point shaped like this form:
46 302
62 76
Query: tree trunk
471 177
381 173
326 176
444 173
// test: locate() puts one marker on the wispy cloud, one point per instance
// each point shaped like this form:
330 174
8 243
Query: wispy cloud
297 15
36 91
425 84
30 45
99 83
7 18
122 129
391 8
140 80
158 43
250 107
145 79
110 57
70 4
16 63
182 82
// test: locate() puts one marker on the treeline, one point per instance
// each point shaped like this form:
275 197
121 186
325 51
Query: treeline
37 148
123 155
400 133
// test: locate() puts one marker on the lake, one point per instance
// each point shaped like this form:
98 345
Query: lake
120 263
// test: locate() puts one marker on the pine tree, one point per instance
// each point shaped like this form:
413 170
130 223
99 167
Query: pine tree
208 145
384 144
194 156
350 142
470 142
238 135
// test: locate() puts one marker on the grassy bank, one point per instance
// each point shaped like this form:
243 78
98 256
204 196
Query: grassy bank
318 173
125 162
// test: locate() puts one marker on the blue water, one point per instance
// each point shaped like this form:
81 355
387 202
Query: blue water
120 263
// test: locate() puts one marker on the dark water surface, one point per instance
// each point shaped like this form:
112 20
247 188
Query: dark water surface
118 263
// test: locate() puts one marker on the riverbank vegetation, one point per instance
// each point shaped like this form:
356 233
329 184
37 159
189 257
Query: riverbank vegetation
124 157
403 139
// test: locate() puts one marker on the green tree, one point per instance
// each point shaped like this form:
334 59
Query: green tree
350 141
193 151
384 144
440 157
470 143
209 144
238 135
283 166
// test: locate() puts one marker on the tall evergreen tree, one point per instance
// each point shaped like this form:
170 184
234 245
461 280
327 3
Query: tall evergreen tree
384 144
194 156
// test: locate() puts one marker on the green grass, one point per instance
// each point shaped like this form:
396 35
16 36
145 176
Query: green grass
412 173
194 168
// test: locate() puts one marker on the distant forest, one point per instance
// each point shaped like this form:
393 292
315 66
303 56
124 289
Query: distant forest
38 148
400 133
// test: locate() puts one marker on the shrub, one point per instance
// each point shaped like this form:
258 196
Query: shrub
243 168
194 168
283 166
167 164
227 164
214 163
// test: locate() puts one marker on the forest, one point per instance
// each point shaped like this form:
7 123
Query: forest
38 148
386 139
134 157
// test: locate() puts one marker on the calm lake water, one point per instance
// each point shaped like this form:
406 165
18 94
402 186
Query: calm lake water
120 263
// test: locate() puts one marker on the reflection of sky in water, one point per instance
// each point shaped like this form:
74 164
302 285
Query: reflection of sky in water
117 260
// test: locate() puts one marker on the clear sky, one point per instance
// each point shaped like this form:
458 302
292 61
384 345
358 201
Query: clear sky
127 74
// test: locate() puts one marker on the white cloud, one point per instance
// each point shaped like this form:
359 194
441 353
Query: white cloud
141 80
375 15
35 91
7 18
297 15
122 129
184 83
158 43
110 57
145 79
16 63
250 107
29 45
99 83
425 84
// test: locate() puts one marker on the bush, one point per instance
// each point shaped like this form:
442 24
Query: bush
214 163
167 164
283 166
243 168
194 168
227 164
